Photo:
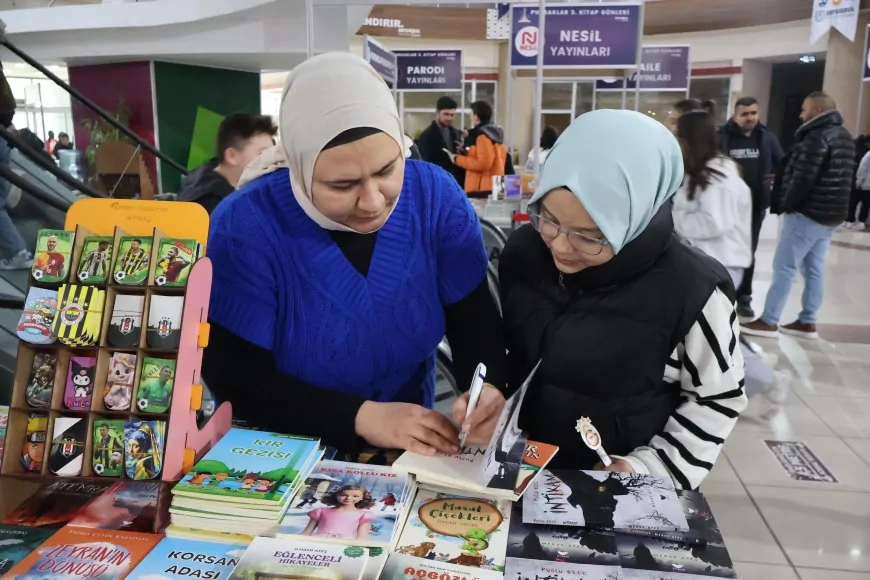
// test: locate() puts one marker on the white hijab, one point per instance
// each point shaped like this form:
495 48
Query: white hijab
323 97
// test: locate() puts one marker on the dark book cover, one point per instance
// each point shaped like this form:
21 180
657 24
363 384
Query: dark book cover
55 504
703 528
130 506
653 558
18 541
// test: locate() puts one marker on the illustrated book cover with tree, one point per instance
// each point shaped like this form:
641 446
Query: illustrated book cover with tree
74 553
466 531
654 559
249 467
603 499
16 542
175 559
55 504
348 503
128 505
272 558
703 528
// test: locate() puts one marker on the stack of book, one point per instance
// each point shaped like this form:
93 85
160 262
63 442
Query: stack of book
243 486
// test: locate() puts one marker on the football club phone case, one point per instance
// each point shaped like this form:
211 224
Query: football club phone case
155 385
132 259
79 315
143 449
37 317
51 260
174 261
164 322
79 383
125 326
68 446
95 264
40 383
34 442
108 460
119 384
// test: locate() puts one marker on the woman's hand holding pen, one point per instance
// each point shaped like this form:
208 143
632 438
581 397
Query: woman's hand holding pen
406 426
482 421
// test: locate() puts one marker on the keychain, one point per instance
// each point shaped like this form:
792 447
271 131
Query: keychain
592 439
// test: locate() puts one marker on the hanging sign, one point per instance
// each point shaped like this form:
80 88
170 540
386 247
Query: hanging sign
839 14
429 70
381 59
662 68
577 36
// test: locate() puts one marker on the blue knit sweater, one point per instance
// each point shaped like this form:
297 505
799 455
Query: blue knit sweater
281 283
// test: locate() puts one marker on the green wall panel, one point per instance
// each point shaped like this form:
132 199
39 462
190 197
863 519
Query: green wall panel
191 102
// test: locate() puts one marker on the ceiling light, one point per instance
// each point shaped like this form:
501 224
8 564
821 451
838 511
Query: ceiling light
807 58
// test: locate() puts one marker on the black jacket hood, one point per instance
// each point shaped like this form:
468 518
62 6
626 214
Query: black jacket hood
204 182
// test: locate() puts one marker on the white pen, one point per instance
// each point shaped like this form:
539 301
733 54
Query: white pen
473 398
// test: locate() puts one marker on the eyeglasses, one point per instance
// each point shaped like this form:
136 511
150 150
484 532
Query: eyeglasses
550 230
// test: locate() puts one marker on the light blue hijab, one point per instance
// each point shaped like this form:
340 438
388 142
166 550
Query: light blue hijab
622 165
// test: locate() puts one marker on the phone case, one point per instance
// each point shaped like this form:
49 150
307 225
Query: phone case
125 326
143 449
40 383
164 322
132 260
95 263
79 315
51 260
108 454
154 394
68 446
119 384
37 317
33 449
79 383
175 258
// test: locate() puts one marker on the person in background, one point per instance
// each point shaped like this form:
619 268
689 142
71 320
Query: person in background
50 143
861 190
441 135
14 254
63 144
681 108
815 200
710 107
548 139
712 211
241 139
634 329
485 155
758 153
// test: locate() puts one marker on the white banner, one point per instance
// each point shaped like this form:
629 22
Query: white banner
839 14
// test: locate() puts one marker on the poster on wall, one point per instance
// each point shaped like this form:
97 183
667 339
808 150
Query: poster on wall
382 60
662 68
429 70
577 36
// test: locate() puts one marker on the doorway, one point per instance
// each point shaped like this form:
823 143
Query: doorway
790 83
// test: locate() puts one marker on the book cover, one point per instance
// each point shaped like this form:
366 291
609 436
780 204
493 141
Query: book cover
177 559
55 504
603 499
18 541
275 558
654 559
375 564
184 533
406 567
85 553
128 505
347 503
703 528
248 466
566 544
470 532
518 569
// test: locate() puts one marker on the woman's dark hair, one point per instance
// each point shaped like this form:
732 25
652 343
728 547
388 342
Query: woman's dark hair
365 503
699 141
548 138
350 136
483 110
710 106
688 105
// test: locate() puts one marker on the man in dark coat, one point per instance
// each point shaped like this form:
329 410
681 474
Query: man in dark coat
440 135
758 153
814 199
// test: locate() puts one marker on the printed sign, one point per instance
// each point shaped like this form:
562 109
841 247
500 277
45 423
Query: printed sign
429 70
799 462
867 55
381 59
662 68
577 36
839 14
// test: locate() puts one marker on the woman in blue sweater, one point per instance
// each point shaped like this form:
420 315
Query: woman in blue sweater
339 265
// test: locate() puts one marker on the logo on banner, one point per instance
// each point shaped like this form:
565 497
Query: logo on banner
839 14
526 41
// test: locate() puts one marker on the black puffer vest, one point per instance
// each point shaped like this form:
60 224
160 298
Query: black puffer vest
604 336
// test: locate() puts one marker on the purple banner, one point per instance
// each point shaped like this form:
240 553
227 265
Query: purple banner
381 59
577 36
662 68
867 55
429 70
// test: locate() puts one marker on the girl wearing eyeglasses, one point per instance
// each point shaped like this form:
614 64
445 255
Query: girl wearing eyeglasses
634 329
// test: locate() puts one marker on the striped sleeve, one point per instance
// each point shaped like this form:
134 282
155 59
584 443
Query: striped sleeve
709 365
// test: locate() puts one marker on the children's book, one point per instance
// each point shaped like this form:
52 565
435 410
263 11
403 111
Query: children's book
176 559
347 503
375 564
654 559
519 569
249 467
184 533
128 505
703 529
18 541
467 531
603 499
407 567
85 553
276 558
55 504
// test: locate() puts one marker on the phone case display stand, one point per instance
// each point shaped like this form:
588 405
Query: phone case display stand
82 363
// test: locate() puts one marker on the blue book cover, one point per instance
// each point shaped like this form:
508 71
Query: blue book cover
249 467
174 558
18 541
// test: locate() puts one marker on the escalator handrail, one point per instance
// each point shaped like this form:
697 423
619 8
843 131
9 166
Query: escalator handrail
93 106
495 230
24 185
11 302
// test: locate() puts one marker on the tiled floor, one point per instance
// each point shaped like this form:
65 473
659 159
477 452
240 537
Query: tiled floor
777 528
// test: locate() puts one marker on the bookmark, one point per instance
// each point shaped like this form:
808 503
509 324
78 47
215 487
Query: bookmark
108 454
132 260
52 256
175 259
34 442
40 383
37 318
125 326
79 383
79 317
144 446
592 439
164 322
96 260
68 446
119 385
155 385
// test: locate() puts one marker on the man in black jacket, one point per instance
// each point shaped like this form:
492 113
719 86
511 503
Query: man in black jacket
440 135
815 199
758 153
